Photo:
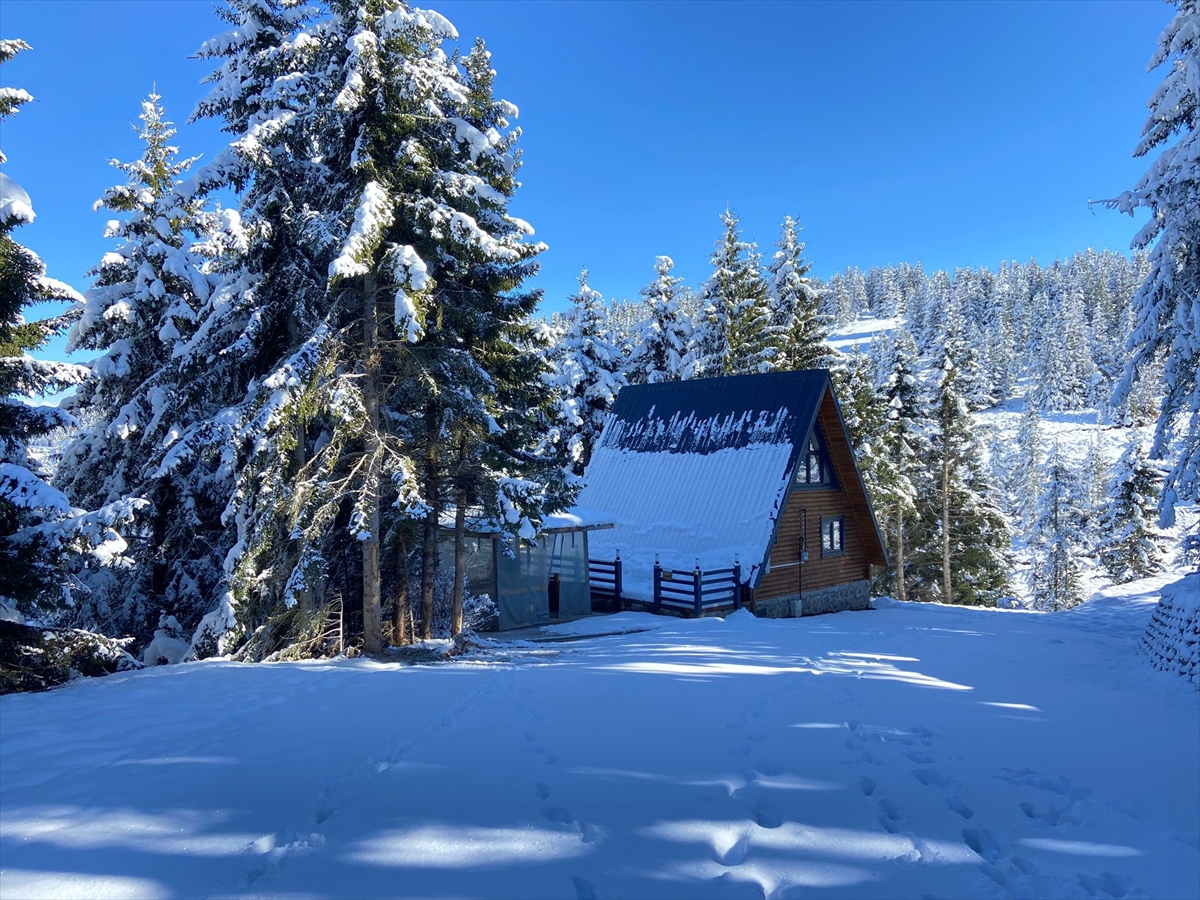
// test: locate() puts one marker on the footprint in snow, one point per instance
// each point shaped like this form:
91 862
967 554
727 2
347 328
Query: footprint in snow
931 777
1107 884
959 807
757 736
551 760
541 789
734 855
921 759
558 815
889 809
765 817
584 889
985 844
768 767
868 785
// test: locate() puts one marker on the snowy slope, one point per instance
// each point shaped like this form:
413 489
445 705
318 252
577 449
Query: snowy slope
913 750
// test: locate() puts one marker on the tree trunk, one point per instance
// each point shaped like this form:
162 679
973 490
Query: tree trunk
460 521
372 613
428 570
947 596
901 590
400 632
429 536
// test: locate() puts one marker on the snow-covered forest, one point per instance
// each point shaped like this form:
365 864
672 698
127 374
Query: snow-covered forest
314 380
289 392
1006 375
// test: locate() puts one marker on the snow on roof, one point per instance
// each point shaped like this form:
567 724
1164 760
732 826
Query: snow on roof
698 469
577 518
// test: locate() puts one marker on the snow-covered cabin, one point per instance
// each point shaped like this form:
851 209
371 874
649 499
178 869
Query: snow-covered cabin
531 582
753 469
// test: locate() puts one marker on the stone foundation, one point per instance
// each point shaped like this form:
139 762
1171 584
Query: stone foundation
854 595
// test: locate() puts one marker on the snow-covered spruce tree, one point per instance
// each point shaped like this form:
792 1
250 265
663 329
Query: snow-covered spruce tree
381 264
1065 374
46 542
1026 469
865 414
902 448
1129 545
739 336
141 309
1167 313
969 547
1056 537
589 369
664 352
796 306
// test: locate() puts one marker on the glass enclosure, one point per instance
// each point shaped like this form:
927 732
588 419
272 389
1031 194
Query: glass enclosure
533 586
569 563
522 583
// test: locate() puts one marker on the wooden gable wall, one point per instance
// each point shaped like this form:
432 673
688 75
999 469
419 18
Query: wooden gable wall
807 506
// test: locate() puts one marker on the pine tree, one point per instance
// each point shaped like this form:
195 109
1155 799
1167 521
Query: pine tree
1027 466
588 371
404 372
739 336
142 308
903 449
46 542
969 553
1130 546
664 350
797 314
1166 312
1056 538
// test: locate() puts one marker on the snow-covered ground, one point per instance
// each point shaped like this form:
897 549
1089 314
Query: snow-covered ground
906 751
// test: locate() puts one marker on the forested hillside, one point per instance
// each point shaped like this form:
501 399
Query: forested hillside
982 398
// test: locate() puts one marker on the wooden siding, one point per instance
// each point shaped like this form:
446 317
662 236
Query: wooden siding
811 505
819 572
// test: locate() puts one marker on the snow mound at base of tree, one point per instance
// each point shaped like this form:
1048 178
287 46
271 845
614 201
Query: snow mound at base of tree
165 650
1172 639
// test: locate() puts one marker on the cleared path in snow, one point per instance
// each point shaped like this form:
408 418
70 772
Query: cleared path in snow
909 751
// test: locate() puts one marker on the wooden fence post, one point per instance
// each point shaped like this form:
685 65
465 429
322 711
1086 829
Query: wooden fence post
617 583
698 589
737 582
657 584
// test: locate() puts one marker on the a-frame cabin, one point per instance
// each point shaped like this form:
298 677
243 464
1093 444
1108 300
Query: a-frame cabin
756 470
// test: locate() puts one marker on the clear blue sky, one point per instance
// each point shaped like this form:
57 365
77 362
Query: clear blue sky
954 134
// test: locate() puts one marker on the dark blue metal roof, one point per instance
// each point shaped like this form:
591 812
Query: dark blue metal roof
704 415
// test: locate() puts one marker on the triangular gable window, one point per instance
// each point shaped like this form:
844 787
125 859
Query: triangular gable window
814 469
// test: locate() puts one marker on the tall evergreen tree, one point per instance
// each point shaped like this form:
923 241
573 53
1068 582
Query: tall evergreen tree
739 335
797 313
589 371
1056 538
970 551
1130 546
1027 465
45 540
664 351
142 308
1167 317
401 374
903 449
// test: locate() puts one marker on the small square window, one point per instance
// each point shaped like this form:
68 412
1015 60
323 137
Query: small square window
833 535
